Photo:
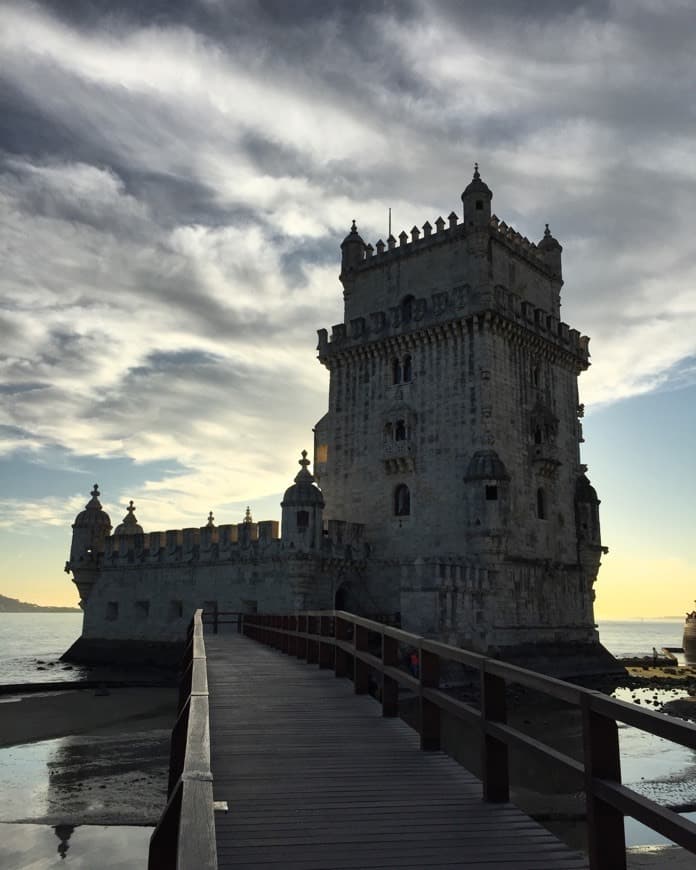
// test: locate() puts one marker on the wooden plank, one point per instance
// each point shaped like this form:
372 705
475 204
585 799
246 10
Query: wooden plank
315 777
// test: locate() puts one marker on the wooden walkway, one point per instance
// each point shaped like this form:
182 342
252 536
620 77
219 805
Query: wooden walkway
315 778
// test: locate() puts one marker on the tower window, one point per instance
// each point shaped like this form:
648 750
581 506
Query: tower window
407 370
396 372
407 309
491 493
402 501
535 376
400 431
537 435
541 504
479 205
302 519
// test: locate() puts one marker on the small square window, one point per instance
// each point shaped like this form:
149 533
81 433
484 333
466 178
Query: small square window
112 610
142 609
491 493
479 205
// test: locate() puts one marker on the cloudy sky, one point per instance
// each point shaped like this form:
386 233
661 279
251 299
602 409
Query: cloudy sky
175 181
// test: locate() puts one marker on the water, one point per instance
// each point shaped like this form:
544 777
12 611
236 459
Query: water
43 847
637 637
29 638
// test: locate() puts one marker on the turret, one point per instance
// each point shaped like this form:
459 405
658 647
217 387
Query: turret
352 252
303 506
477 202
551 252
90 529
129 525
487 488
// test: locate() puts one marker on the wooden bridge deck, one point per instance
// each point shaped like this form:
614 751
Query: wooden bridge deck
315 778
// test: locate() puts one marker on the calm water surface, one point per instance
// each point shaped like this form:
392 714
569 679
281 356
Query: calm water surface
44 847
27 638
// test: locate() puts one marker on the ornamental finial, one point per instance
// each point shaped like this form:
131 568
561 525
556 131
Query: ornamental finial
247 515
353 227
211 520
304 462
476 171
95 492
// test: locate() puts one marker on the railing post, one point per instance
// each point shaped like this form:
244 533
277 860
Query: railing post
326 649
312 644
341 632
494 754
361 672
292 639
390 688
302 641
606 838
429 674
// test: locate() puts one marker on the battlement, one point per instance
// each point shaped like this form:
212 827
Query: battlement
247 541
448 305
417 241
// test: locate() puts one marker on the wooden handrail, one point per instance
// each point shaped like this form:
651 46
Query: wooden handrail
185 834
341 640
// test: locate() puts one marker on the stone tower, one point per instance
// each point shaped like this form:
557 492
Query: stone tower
452 433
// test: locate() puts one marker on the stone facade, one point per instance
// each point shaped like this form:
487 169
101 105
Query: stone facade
451 486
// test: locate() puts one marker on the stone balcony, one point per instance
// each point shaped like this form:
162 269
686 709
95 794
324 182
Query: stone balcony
398 456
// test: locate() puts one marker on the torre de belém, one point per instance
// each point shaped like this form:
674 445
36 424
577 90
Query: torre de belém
448 489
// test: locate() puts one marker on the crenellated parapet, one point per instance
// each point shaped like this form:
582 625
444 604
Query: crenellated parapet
418 240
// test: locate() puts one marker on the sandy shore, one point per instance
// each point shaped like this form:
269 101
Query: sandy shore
61 714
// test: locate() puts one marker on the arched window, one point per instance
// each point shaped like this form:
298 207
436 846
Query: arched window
400 431
535 376
402 501
388 432
537 434
407 369
302 519
406 309
541 504
396 372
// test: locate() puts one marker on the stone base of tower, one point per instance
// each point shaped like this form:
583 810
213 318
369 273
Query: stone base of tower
124 653
564 660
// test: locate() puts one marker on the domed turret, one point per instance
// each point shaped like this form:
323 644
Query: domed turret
486 465
487 501
551 251
130 525
90 528
352 251
587 511
302 506
477 198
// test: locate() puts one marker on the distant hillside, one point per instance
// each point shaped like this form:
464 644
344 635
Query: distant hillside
12 605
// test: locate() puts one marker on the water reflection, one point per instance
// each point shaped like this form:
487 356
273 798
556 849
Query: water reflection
33 847
105 779
63 832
